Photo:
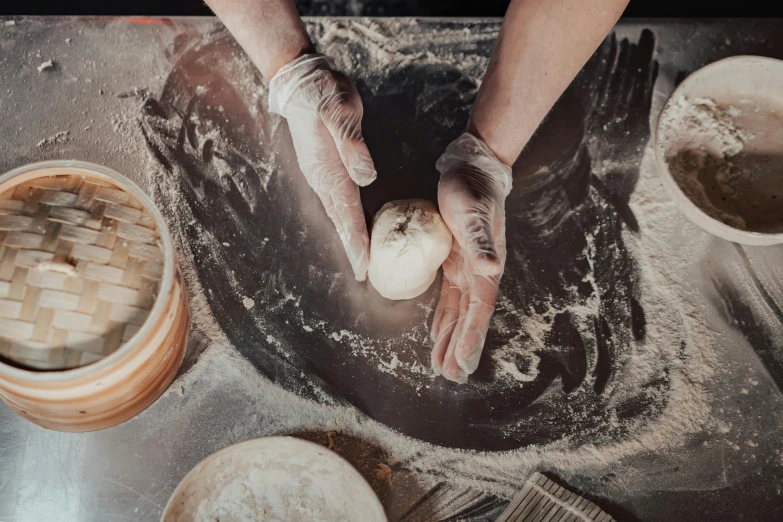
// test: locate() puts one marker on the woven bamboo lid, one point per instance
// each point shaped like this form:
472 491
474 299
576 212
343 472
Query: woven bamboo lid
80 268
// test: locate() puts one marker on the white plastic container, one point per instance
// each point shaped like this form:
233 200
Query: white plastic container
729 82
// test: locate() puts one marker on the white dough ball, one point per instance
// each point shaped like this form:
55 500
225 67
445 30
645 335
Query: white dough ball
409 242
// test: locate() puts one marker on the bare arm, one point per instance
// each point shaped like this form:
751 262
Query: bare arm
541 47
270 31
322 107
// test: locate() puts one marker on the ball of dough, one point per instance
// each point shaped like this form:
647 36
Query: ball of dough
409 242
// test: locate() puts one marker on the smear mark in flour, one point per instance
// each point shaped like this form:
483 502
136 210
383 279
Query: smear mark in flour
571 307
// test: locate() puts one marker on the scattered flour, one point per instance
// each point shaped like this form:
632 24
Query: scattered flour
670 308
665 256
57 139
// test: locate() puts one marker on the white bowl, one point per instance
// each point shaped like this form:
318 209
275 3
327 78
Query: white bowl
274 478
729 82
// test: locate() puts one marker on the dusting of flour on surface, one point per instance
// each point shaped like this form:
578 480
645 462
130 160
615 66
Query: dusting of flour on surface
496 473
221 398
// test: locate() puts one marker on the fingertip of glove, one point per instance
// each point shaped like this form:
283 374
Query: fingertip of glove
364 174
436 357
460 377
435 329
357 251
470 363
360 270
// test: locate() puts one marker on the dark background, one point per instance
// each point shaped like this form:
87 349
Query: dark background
636 8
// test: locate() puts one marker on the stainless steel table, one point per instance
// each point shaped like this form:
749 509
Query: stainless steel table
174 105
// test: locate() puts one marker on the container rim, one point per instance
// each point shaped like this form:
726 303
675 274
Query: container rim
157 307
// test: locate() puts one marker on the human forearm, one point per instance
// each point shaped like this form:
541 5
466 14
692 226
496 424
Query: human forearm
541 47
270 31
321 106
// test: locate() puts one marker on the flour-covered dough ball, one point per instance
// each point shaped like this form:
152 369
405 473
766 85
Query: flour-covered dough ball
408 244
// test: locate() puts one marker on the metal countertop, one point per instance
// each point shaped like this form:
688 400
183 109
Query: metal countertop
146 97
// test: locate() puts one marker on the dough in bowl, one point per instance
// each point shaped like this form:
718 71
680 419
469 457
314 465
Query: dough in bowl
409 242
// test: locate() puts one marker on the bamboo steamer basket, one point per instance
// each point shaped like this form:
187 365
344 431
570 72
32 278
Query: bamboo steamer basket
93 311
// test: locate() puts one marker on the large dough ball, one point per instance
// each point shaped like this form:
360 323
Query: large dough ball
408 244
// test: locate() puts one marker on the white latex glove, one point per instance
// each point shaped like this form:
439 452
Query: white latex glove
324 114
471 195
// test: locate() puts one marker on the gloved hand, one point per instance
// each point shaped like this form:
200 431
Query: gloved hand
471 194
324 114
